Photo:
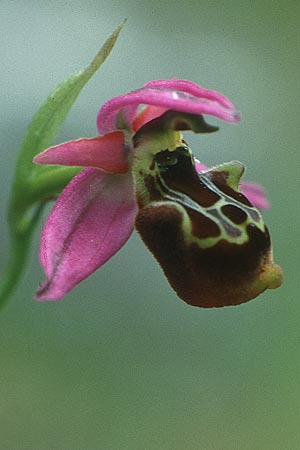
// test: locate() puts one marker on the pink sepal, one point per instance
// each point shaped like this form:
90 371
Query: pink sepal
103 152
91 220
178 95
255 193
189 87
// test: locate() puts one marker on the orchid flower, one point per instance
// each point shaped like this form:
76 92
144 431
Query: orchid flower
208 237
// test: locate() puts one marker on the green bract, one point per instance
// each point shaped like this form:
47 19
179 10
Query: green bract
34 185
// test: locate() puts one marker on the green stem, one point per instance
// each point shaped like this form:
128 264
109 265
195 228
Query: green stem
13 270
49 183
20 245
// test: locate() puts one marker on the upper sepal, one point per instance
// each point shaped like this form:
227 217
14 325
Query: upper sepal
178 95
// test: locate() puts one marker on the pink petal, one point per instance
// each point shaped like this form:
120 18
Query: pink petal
179 95
200 167
104 152
147 114
91 220
255 193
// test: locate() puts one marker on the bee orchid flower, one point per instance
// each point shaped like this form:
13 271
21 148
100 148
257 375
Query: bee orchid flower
201 224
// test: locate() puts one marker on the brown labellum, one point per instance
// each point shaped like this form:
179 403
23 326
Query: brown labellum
211 243
225 274
209 240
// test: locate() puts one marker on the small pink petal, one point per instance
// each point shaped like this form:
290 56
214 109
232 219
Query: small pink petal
104 152
147 114
178 95
91 220
255 193
200 167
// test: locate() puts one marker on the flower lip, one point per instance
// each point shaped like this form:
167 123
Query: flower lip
178 95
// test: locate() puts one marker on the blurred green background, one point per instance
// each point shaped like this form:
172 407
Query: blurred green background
121 363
